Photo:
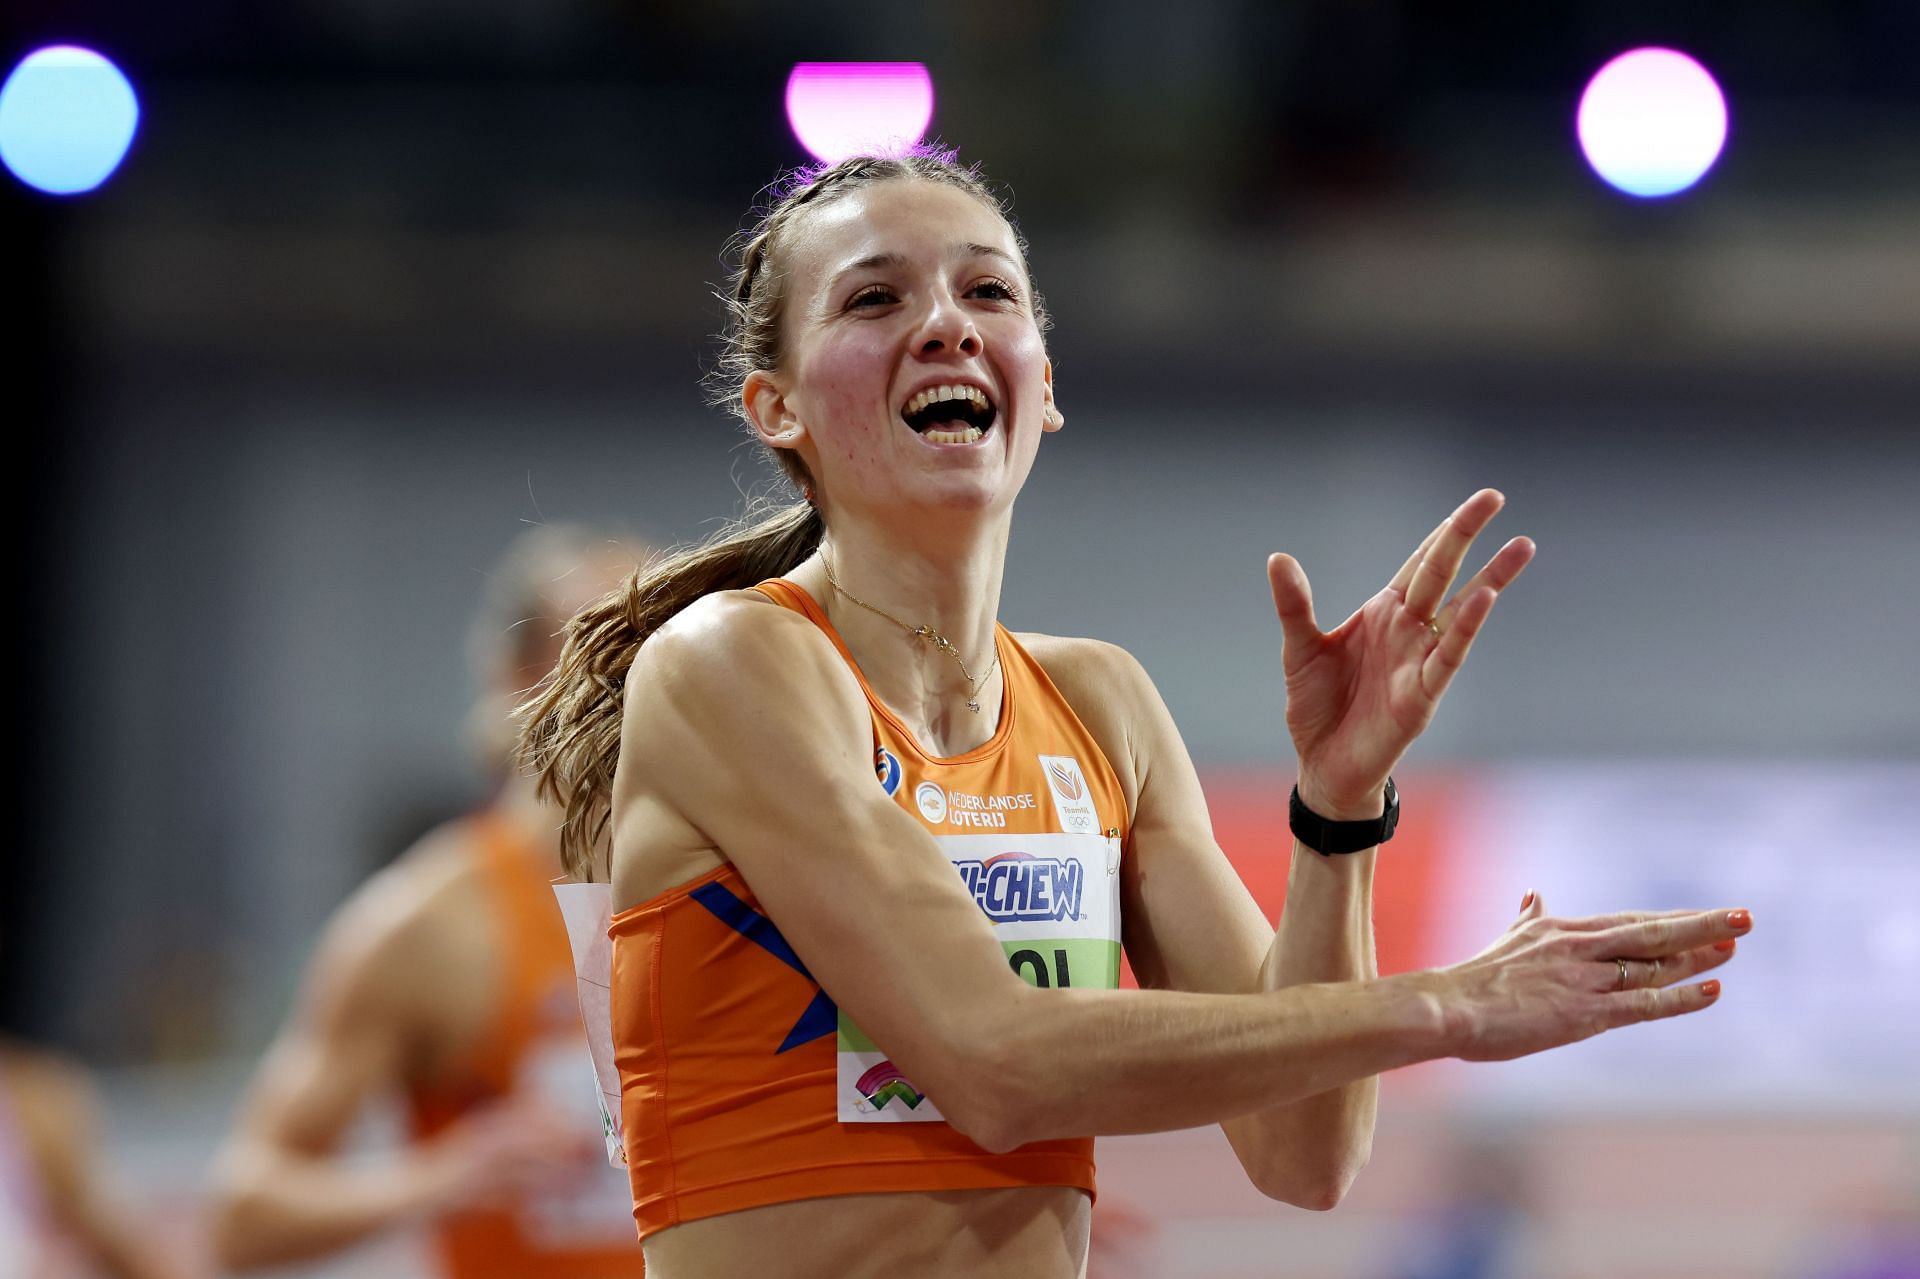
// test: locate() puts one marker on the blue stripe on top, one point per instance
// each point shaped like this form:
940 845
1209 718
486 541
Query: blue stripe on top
821 1017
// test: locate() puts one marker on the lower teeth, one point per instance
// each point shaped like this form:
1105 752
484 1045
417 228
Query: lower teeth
966 435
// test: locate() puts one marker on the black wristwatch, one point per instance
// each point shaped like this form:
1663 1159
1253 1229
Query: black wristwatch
1330 838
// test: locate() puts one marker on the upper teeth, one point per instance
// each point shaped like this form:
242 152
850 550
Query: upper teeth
935 394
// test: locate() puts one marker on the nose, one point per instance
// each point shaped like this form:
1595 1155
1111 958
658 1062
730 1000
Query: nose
947 328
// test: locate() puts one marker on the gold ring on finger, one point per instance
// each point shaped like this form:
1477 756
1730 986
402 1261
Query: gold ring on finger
1623 974
1434 627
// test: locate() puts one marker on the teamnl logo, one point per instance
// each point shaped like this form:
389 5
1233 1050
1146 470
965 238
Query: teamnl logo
1022 888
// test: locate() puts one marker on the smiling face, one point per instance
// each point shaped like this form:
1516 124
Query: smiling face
913 378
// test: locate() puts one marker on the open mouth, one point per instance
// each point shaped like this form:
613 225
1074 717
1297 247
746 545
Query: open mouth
950 414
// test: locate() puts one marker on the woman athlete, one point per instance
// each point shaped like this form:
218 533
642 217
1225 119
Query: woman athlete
873 857
445 983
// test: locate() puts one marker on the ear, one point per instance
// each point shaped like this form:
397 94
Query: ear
1051 419
770 412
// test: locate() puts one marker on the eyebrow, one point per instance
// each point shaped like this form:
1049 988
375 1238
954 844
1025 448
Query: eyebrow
880 261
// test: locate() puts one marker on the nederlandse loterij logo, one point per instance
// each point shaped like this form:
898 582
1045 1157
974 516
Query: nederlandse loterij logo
1021 888
886 766
884 1084
932 801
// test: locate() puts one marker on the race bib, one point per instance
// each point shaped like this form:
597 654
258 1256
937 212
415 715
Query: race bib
1054 901
588 910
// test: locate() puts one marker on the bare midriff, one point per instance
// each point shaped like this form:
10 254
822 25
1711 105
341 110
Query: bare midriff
1037 1232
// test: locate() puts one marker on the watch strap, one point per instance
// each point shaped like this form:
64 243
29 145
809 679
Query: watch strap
1330 838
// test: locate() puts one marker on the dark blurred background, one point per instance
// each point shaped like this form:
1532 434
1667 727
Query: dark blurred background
383 281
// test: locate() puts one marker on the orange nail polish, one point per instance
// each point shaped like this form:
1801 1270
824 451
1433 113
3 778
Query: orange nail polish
1526 901
1740 919
1727 945
1709 989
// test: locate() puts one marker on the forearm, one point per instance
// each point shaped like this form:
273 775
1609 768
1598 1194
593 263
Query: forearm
89 1208
275 1207
124 1253
1076 1062
1326 929
1307 1152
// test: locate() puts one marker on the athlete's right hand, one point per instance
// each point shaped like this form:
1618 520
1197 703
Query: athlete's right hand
1548 982
501 1151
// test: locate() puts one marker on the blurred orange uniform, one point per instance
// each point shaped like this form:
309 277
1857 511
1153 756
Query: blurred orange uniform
575 1228
742 1084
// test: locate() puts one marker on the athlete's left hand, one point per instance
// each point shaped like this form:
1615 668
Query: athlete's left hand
1359 694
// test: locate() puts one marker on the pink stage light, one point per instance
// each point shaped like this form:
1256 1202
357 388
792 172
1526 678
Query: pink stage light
838 109
1652 122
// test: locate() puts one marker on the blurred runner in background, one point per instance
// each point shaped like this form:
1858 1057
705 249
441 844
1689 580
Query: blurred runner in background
446 982
59 1215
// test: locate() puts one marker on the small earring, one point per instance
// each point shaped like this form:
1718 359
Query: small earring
806 491
1053 416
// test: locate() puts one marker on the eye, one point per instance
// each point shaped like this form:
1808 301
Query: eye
872 295
995 290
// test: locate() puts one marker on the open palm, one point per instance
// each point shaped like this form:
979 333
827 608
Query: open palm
1359 694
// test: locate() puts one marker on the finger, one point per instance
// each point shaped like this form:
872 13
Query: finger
1651 1004
1643 974
1594 923
1657 938
1690 964
1447 657
1293 601
1442 562
1507 563
1399 583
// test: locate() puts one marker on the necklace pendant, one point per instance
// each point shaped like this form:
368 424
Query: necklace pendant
974 707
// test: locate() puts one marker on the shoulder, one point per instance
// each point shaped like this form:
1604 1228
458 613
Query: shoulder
738 651
403 906
1090 665
1099 680
399 934
1106 687
727 625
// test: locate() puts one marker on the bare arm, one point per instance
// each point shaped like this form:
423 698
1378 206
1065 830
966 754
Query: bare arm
1309 1153
282 1189
742 722
79 1191
1192 925
1357 696
282 1192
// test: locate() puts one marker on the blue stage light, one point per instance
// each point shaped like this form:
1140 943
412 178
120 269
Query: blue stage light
67 117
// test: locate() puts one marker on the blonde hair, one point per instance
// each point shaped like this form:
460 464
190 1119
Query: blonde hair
570 730
532 588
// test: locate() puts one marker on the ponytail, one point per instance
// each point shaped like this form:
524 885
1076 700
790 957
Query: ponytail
570 730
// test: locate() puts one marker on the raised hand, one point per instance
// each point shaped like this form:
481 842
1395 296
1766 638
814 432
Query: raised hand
1359 694
1548 982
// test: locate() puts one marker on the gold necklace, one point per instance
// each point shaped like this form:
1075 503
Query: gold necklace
926 633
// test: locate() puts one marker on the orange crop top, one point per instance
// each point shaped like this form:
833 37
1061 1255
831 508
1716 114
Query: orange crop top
743 1085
